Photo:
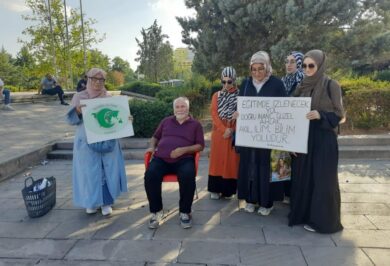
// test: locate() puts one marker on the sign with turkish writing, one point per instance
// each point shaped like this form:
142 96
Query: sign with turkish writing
106 118
277 123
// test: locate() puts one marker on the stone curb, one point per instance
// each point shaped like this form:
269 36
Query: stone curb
19 163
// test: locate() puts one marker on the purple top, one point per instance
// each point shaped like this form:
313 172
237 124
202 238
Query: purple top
171 135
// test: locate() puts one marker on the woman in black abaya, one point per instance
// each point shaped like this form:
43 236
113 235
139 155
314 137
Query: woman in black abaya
315 194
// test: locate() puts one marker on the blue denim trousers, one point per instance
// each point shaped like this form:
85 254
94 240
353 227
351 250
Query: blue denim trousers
7 97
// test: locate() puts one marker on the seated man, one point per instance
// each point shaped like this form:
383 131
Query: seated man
49 86
174 143
4 93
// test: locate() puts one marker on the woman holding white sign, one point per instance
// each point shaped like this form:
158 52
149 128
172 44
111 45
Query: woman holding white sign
99 174
315 194
224 160
253 183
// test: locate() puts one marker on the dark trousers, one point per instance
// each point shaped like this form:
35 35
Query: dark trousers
184 169
53 91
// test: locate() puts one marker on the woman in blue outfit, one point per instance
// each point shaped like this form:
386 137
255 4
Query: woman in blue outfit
255 164
98 176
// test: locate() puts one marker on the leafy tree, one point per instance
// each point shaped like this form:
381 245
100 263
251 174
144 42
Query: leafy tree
182 63
122 66
28 71
229 32
116 78
155 55
43 46
9 73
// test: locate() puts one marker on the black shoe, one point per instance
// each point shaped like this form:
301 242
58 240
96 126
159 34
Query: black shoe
64 103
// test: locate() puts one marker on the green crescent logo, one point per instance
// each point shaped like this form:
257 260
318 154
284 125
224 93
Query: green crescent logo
106 119
106 116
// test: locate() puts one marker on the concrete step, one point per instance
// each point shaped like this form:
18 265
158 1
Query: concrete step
367 152
128 154
126 143
32 97
350 147
364 140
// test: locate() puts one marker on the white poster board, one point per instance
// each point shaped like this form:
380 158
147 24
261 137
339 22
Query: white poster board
278 123
107 118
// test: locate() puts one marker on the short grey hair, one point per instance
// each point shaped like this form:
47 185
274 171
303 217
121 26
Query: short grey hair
182 98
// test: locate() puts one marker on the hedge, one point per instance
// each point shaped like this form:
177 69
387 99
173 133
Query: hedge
368 108
147 116
142 87
349 84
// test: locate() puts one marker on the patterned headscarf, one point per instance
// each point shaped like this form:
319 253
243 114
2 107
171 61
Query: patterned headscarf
90 92
229 72
227 99
292 79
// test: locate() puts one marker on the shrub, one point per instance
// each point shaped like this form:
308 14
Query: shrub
142 87
147 116
348 84
110 86
168 94
214 89
368 108
383 75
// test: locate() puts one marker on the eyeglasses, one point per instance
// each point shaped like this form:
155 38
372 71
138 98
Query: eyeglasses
228 81
98 79
308 66
290 62
258 69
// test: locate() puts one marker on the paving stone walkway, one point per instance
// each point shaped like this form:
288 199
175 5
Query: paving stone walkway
222 234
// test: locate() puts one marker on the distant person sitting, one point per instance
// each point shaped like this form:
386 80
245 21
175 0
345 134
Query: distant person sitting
82 84
49 87
4 93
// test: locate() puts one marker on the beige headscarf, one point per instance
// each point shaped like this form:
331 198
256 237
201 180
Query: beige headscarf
90 92
316 87
262 57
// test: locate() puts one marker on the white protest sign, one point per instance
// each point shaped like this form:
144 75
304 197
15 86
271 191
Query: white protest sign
106 118
278 123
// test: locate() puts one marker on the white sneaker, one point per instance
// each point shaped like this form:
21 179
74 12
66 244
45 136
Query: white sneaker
90 210
8 107
229 198
309 228
265 211
286 200
185 220
106 210
154 222
214 195
250 207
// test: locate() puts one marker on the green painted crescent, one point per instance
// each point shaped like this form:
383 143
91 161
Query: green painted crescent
105 117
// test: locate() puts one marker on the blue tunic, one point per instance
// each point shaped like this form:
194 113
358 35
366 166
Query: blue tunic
92 169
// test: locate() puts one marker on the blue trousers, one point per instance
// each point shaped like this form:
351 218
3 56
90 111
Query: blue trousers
56 90
7 97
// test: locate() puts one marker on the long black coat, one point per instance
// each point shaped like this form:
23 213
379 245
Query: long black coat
253 184
315 193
